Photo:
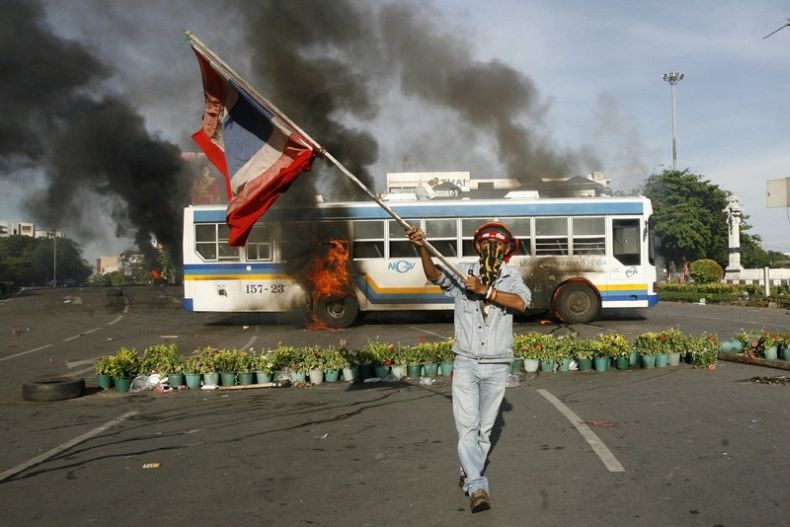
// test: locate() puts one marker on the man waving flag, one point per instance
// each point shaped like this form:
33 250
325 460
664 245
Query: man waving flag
257 151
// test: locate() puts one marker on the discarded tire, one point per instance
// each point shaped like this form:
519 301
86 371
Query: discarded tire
51 388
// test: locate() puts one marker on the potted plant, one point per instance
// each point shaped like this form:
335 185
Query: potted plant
315 364
192 372
564 344
103 372
351 359
769 344
671 340
299 365
383 356
124 366
649 345
528 346
584 350
245 368
334 363
205 365
414 356
159 359
703 350
226 362
550 353
263 364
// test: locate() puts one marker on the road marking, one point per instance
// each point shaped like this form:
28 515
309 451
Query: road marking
114 321
69 339
606 456
26 352
65 446
75 363
249 343
428 332
80 372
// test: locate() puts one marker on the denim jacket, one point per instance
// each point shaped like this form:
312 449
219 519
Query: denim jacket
489 338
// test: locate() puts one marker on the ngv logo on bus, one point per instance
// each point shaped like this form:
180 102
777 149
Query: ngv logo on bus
401 266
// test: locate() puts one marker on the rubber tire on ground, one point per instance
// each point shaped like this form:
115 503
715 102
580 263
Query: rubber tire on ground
338 312
52 388
577 304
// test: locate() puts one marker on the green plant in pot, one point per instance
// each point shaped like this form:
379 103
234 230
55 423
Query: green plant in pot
159 358
124 366
383 354
529 346
226 361
192 373
245 368
104 372
334 363
584 351
614 346
263 364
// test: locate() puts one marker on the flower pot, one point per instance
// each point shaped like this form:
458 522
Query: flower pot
104 381
770 353
263 378
413 371
585 364
446 368
736 346
211 378
429 369
517 366
674 358
662 360
228 379
122 384
622 363
351 374
633 359
316 377
725 347
246 378
547 366
331 375
298 376
648 361
365 371
381 371
601 363
399 371
531 365
565 365
192 380
280 376
175 379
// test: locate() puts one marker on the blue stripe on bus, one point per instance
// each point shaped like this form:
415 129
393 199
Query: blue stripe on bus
188 304
231 268
375 297
464 209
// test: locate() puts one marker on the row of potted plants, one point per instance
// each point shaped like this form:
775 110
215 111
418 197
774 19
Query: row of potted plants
763 344
215 366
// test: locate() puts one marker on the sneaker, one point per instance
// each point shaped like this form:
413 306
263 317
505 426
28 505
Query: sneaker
461 481
478 501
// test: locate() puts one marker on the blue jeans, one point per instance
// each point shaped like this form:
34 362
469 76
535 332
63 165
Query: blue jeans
478 389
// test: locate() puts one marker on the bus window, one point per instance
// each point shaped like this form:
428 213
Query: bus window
335 230
225 252
551 236
626 241
368 238
206 241
589 236
521 229
259 244
400 246
443 235
651 246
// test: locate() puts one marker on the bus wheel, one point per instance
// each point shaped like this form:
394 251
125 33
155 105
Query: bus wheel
337 312
577 304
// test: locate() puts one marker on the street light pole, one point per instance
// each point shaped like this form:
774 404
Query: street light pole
673 78
54 258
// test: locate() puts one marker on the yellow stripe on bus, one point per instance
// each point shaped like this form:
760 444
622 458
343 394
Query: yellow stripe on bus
401 290
238 277
621 287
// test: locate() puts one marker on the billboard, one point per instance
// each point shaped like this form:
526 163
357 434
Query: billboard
778 193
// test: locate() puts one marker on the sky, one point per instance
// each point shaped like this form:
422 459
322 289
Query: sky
585 79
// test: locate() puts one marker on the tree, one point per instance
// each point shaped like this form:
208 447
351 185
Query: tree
28 261
688 216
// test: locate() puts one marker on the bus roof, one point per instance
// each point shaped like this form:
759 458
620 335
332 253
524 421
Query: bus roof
472 208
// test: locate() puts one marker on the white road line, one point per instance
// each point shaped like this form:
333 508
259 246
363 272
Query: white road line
74 363
80 372
428 332
94 330
65 446
606 456
114 321
69 339
26 352
249 343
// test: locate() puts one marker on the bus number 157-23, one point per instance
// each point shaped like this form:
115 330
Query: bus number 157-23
252 289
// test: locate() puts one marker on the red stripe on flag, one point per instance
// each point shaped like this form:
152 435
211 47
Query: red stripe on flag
215 155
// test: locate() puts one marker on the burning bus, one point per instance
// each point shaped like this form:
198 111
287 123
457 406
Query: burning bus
337 260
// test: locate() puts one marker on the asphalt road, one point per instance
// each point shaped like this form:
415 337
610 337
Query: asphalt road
695 447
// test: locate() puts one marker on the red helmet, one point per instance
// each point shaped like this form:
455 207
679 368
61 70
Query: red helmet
494 230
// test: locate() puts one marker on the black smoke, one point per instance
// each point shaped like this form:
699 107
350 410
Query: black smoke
91 145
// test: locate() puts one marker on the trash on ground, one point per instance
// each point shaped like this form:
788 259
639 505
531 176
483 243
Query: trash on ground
573 366
427 381
593 423
209 387
168 337
779 379
16 332
323 436
152 465
372 379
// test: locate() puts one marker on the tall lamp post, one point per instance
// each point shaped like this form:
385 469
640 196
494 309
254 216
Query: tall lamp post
673 78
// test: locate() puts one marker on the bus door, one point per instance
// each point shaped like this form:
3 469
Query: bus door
625 260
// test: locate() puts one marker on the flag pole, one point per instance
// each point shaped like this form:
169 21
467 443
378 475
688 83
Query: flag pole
220 64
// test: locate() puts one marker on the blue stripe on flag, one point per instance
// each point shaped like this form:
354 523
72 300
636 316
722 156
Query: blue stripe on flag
247 127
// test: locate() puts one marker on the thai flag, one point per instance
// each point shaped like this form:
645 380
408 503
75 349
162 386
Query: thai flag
257 152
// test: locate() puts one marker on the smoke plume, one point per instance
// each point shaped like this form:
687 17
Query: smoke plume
92 146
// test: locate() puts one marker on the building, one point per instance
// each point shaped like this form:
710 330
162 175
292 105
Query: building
24 228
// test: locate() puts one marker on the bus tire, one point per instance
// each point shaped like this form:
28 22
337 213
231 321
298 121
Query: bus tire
51 388
338 312
577 304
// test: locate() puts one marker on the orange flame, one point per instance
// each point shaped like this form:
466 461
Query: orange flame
327 276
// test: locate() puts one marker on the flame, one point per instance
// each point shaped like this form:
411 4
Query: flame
327 276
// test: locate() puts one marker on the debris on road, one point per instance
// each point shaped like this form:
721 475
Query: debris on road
152 465
779 379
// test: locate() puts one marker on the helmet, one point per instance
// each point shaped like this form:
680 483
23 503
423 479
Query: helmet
494 230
